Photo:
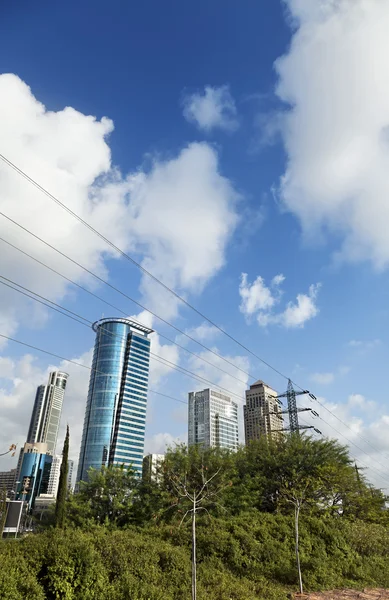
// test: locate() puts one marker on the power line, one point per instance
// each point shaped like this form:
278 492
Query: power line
86 322
102 373
123 312
78 364
76 317
134 262
361 463
118 291
151 312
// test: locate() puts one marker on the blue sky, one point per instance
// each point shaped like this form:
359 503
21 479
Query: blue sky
206 156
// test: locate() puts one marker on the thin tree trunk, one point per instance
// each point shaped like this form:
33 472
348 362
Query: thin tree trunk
194 574
296 521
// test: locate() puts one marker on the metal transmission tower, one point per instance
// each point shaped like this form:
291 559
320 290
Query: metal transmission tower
292 410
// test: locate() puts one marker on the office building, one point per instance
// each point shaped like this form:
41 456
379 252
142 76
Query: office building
70 474
212 420
34 473
151 465
55 472
46 414
261 412
8 481
115 415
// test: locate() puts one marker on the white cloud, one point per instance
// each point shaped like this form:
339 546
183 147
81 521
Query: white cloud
364 346
18 394
167 352
305 309
156 213
361 428
334 78
213 109
158 443
255 296
259 299
323 378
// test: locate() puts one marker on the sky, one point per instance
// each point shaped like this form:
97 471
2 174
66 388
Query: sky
238 152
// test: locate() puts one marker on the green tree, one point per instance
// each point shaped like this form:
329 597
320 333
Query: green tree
107 497
60 506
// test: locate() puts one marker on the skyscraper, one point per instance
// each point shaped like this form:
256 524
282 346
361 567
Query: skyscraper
260 412
115 415
212 420
70 474
46 413
45 417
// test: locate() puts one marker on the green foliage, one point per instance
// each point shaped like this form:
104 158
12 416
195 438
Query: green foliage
106 498
60 506
113 548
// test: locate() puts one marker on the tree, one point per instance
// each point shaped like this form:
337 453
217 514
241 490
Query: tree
194 477
60 507
107 497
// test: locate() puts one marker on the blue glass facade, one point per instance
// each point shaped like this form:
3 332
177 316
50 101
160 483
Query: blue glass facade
115 416
33 476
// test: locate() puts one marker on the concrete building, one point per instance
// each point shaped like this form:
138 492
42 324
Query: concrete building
212 420
115 415
8 481
151 462
46 414
260 412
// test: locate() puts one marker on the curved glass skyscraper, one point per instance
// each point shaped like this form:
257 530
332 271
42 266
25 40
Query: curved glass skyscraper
115 415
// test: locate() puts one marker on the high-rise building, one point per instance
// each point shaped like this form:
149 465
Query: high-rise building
115 415
70 474
55 471
34 474
46 414
151 464
261 413
212 420
8 481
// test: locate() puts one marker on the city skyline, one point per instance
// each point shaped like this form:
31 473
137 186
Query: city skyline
231 178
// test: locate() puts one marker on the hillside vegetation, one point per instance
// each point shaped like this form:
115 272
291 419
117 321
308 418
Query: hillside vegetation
127 539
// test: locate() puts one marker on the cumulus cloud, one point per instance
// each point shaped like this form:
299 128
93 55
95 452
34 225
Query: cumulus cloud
213 109
260 300
155 212
335 132
361 428
17 394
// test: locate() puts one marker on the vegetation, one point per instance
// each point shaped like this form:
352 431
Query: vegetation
126 538
60 506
